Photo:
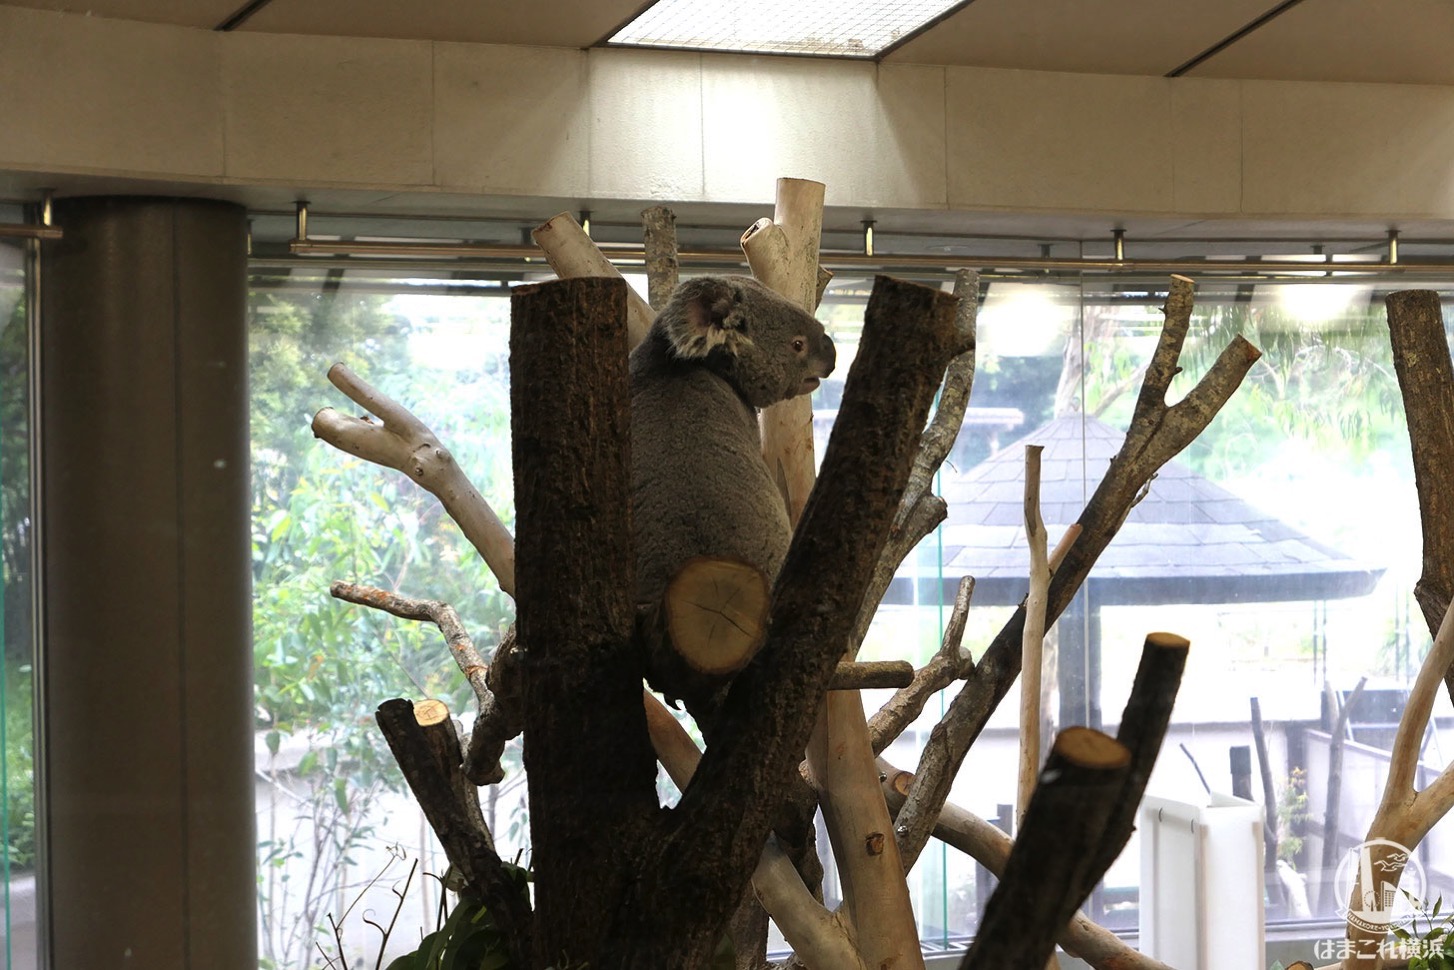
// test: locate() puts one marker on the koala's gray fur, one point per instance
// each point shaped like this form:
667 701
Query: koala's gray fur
722 347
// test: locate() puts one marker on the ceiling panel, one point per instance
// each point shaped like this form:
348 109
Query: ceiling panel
547 23
1346 40
1083 36
191 13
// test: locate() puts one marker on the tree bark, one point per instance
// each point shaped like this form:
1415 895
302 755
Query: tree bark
1053 858
1426 381
1144 721
659 230
991 847
590 769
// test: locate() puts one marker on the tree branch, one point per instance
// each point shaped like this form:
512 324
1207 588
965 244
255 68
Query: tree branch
1033 639
1154 438
947 665
404 443
573 255
1055 856
659 230
1404 816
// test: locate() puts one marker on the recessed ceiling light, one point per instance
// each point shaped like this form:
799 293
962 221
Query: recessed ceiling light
824 28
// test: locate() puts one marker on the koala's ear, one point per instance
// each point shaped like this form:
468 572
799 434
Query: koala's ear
705 313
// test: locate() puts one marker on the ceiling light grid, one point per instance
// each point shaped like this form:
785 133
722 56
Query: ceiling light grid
823 28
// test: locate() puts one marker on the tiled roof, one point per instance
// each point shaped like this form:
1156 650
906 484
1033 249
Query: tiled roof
1188 541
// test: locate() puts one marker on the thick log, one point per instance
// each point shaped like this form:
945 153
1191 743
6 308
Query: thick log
1144 721
1157 433
429 756
990 847
720 824
590 768
1053 858
1426 381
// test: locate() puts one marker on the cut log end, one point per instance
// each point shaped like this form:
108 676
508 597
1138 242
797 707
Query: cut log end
1167 640
1088 748
430 712
902 782
716 612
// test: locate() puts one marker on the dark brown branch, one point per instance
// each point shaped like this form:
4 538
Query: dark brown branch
570 447
1269 808
1338 732
1055 856
502 718
431 762
1143 727
1157 435
991 847
659 225
940 435
1426 381
702 863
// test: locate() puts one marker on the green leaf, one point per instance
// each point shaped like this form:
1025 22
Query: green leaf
340 794
274 740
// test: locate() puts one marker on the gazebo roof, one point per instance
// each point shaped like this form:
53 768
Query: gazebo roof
1188 541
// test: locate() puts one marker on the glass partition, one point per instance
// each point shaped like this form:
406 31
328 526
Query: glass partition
17 724
1283 543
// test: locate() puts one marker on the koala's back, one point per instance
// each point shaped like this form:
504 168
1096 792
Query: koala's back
700 486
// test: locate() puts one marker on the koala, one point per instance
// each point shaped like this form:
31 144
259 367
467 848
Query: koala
722 348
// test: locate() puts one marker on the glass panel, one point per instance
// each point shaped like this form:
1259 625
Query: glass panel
17 785
1283 543
338 831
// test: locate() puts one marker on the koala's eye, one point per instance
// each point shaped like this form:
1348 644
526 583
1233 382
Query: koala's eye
799 345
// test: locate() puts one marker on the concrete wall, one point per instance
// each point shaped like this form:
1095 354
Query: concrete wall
89 96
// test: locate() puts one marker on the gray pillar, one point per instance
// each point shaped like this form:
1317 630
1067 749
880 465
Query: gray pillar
146 663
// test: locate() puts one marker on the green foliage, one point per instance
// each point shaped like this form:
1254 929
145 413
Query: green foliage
469 939
1331 386
19 769
1292 815
1431 948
